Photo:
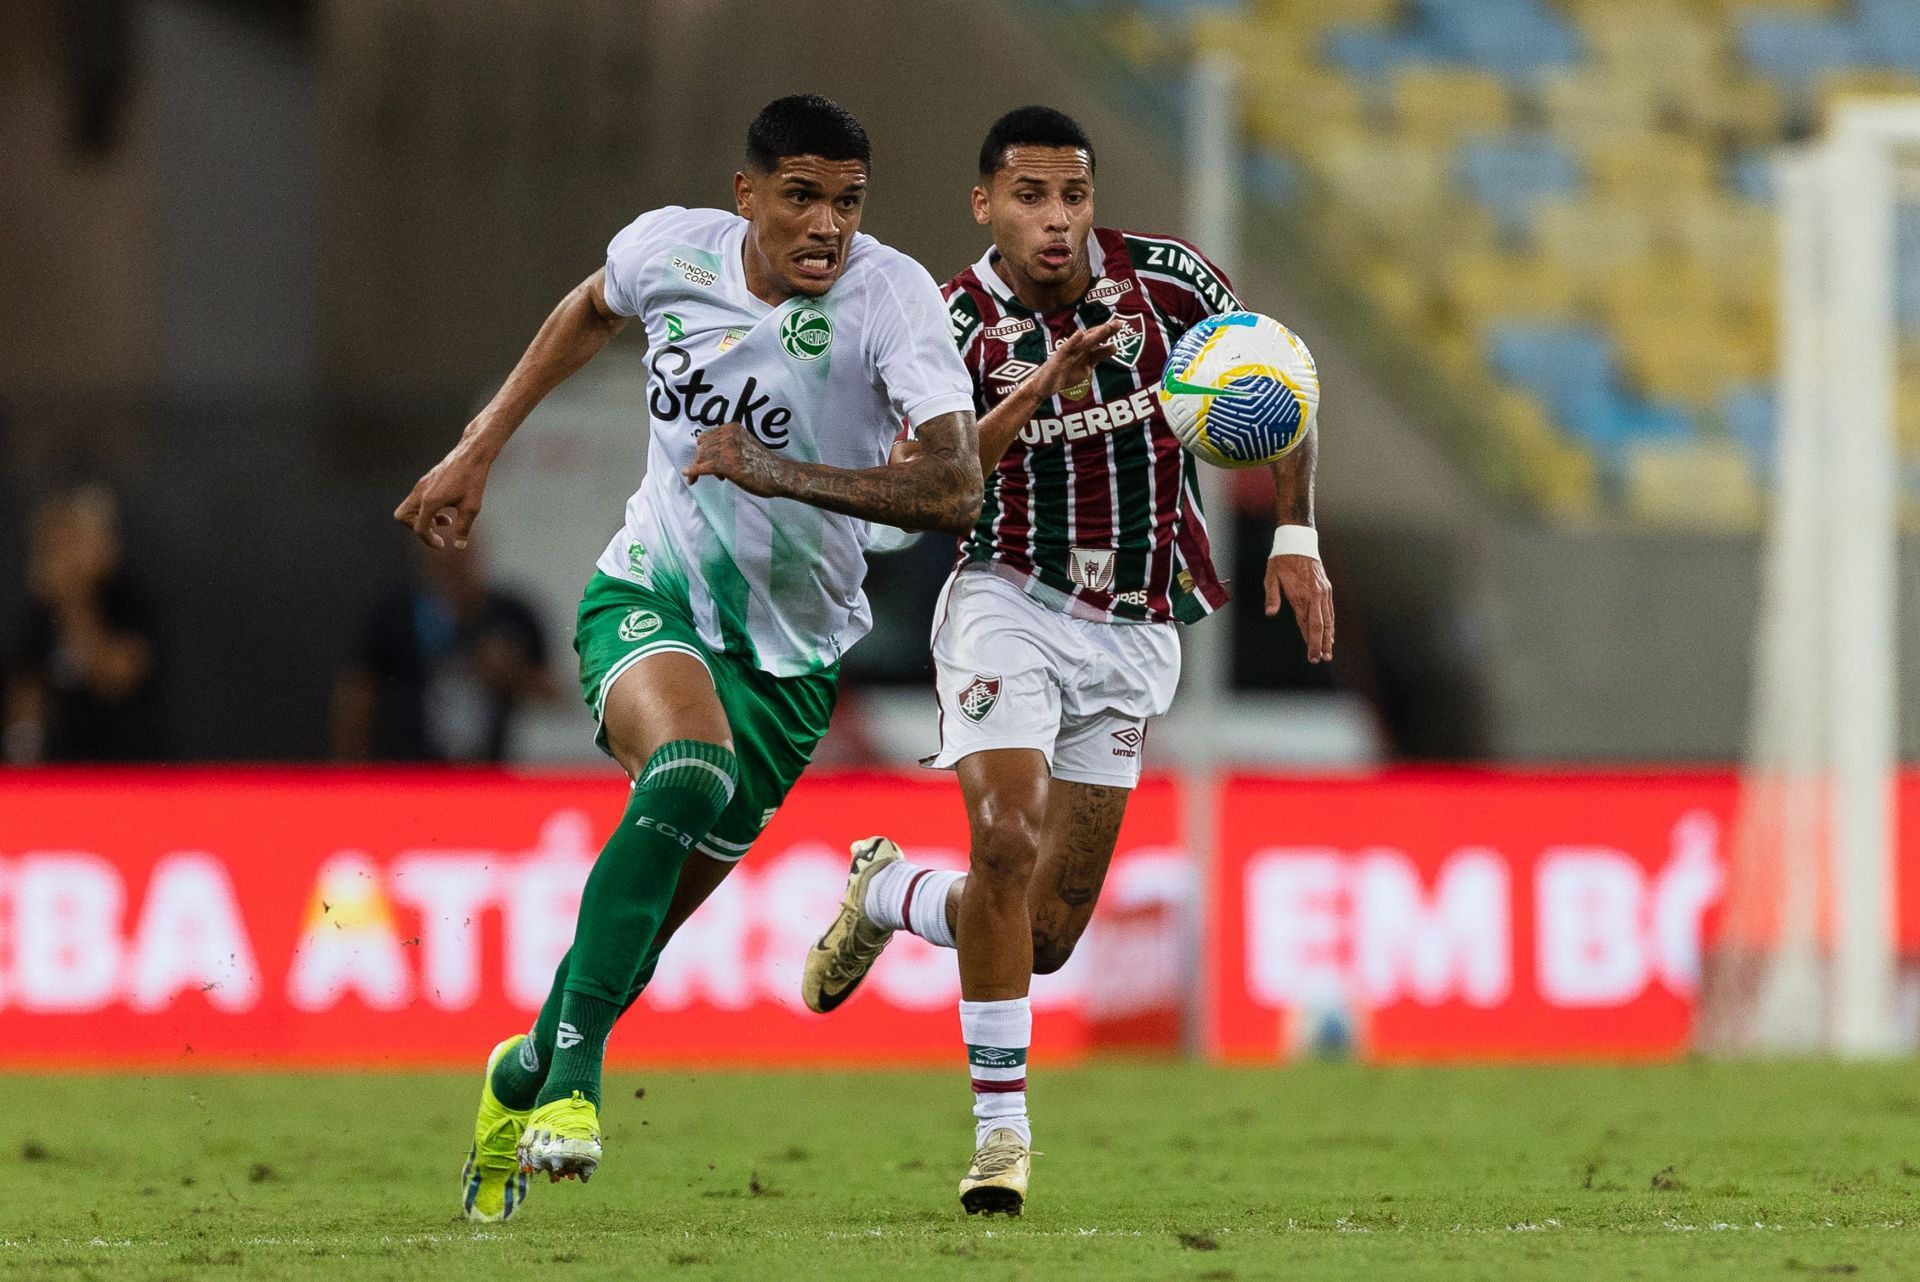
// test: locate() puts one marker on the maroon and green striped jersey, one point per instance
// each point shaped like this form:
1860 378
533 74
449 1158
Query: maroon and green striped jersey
1095 508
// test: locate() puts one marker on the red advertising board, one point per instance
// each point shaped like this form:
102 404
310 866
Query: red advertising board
235 918
1464 915
198 918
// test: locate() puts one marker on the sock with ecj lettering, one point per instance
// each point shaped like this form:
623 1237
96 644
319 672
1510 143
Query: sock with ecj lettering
997 1036
905 896
676 799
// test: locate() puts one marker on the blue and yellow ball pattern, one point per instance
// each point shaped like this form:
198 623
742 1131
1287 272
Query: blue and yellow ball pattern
1240 390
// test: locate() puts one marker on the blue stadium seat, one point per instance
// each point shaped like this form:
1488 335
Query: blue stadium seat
1749 175
1906 278
1512 38
1274 176
1509 174
1794 49
1750 412
1564 365
1890 33
1370 52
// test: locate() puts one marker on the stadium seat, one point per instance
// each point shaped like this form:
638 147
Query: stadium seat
1592 240
1890 32
1298 113
1749 411
1438 104
1484 287
1794 49
1509 175
1701 485
1567 366
1648 168
1579 105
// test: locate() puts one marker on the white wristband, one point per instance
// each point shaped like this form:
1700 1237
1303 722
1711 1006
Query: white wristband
1296 540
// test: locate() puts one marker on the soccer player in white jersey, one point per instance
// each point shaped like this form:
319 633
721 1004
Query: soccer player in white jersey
1054 642
785 351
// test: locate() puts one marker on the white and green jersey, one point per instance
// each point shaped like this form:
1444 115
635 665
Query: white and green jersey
824 380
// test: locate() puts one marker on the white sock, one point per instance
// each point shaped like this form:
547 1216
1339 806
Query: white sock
904 896
997 1036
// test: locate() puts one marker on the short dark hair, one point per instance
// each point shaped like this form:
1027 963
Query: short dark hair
1031 127
805 124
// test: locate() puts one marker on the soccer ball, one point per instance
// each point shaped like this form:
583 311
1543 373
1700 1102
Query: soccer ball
1240 389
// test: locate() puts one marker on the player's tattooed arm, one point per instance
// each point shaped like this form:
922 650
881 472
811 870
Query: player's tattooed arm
1301 581
934 487
1068 365
447 499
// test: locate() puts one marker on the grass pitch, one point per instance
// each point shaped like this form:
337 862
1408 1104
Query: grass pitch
1323 1171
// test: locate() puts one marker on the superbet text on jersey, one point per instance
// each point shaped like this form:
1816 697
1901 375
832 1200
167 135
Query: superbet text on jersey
1095 508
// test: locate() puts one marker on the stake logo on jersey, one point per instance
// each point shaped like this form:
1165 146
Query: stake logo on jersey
1095 507
806 333
681 391
979 698
639 625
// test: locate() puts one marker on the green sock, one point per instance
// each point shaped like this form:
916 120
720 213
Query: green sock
517 1078
677 798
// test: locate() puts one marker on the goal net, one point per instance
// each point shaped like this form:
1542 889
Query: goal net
1806 958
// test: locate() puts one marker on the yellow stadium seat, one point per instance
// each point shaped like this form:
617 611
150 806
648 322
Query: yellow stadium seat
1906 416
1559 474
1652 166
1439 104
1583 104
1657 42
1315 15
1731 238
1589 240
1386 178
1686 359
1742 110
1400 293
1482 286
1297 112
1663 288
1705 485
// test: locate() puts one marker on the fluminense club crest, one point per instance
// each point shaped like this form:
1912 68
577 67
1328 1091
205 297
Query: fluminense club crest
1130 339
979 698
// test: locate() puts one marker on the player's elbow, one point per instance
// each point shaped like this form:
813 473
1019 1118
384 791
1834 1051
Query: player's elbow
968 492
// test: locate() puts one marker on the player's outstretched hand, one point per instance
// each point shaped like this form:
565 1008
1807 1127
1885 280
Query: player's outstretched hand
1071 363
1302 581
446 501
732 453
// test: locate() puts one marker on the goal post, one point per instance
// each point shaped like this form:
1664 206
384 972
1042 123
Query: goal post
1805 959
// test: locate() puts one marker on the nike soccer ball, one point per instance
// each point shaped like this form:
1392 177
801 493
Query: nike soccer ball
1240 389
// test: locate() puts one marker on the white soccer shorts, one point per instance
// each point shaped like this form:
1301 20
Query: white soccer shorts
1013 673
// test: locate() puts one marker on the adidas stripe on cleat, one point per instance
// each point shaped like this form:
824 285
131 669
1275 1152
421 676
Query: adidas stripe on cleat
492 1185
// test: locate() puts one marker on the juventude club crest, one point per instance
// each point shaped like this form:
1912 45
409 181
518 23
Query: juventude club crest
1131 337
639 625
806 333
979 698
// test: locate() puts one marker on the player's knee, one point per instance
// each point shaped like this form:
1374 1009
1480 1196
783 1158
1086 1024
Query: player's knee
1006 844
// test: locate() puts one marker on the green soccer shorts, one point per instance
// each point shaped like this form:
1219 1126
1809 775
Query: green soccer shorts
776 721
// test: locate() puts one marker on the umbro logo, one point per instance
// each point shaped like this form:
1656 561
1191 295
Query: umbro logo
1011 374
1129 741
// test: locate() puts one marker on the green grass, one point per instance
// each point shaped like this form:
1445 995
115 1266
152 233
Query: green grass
1686 1171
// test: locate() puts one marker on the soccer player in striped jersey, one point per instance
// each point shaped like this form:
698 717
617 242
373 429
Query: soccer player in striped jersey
1054 640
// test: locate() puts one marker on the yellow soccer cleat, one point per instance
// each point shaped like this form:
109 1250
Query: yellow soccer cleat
996 1183
492 1185
563 1139
841 958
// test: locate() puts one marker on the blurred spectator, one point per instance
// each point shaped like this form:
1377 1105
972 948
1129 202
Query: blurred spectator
84 682
443 665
